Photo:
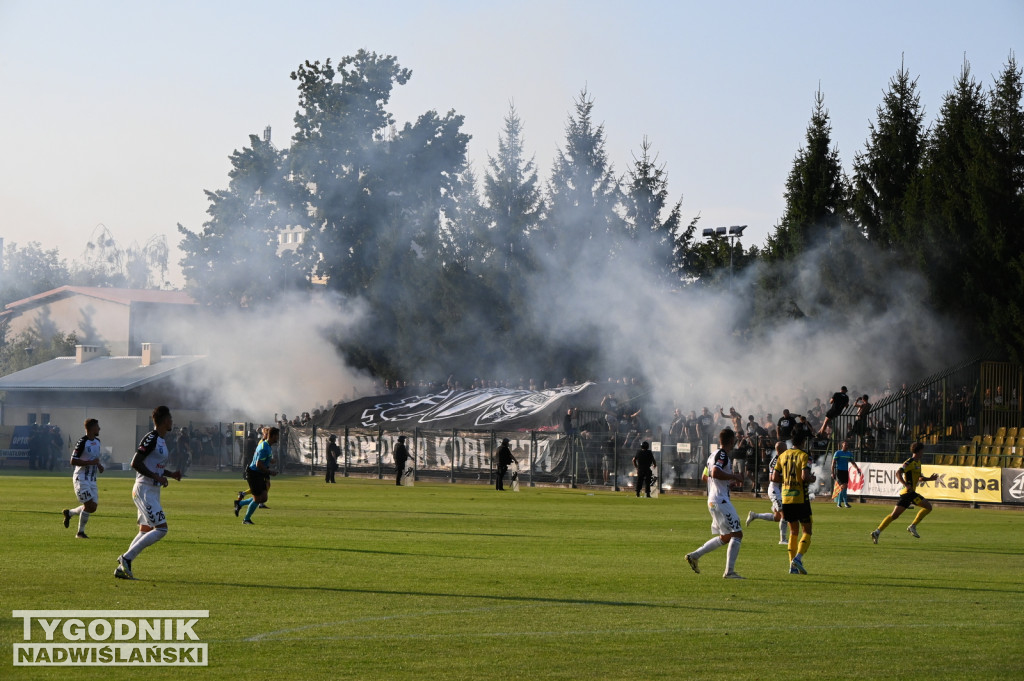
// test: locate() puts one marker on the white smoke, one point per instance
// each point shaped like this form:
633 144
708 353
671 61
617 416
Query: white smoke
687 346
279 358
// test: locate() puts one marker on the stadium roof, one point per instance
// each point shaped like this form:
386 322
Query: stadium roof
102 374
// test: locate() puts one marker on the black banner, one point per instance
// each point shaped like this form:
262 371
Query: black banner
1013 485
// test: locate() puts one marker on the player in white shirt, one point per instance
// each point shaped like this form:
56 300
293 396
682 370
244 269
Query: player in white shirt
149 462
775 494
86 460
725 521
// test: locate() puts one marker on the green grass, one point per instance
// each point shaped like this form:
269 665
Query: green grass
365 580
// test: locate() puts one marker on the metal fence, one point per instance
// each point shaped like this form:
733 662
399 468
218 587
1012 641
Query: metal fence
956 413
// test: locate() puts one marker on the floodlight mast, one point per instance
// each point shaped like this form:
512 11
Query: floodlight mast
732 233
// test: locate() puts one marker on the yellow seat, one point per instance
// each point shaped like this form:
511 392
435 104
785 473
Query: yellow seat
998 440
1011 433
958 460
1001 432
975 443
1016 462
968 460
987 440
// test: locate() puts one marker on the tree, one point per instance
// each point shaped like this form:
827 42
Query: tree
107 263
512 193
583 191
890 162
1006 177
817 191
645 199
31 270
950 232
339 154
234 260
28 349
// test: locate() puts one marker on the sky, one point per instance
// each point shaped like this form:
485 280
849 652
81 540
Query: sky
121 114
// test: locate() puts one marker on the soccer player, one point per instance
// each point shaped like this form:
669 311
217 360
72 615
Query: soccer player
775 494
258 474
149 463
841 462
86 460
793 471
909 475
725 522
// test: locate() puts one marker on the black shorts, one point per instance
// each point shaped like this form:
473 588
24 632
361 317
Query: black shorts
832 413
843 477
797 513
909 498
257 482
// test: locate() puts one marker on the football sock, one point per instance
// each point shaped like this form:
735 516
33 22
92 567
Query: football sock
805 543
252 506
921 513
148 539
783 530
77 511
709 546
731 553
139 537
885 522
793 541
764 516
83 518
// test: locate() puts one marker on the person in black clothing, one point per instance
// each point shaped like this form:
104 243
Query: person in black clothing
333 452
644 462
505 460
705 426
836 405
785 427
401 456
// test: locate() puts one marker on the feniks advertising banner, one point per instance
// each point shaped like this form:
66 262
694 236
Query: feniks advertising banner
955 483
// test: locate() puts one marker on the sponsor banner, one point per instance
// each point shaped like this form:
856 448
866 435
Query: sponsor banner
1013 485
963 483
955 483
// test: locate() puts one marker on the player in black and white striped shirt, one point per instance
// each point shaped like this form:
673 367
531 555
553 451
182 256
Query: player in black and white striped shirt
86 460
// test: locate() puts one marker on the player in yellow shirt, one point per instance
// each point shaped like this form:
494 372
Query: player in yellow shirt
909 474
793 472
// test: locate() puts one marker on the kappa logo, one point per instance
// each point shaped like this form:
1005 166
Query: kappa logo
964 484
1016 488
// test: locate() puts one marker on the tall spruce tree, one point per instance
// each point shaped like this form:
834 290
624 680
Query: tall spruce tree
653 231
513 197
949 212
583 191
891 160
817 190
1006 178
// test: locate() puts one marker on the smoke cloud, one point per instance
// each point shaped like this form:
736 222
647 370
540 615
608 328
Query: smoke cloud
278 358
688 348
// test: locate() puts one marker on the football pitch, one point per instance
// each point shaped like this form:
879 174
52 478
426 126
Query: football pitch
366 580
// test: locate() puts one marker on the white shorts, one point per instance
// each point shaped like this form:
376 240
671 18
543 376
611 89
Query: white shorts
147 499
724 519
87 490
775 494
